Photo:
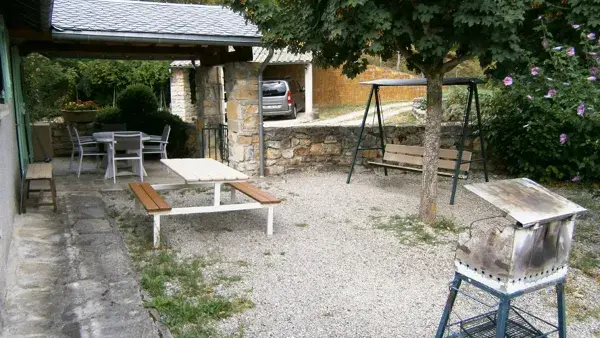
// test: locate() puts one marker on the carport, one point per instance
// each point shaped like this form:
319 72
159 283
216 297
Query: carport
149 31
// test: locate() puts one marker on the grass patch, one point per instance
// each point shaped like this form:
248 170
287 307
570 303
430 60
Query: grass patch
578 308
410 229
301 225
176 287
401 118
335 111
185 300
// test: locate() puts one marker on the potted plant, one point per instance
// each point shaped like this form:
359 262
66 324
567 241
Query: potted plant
80 111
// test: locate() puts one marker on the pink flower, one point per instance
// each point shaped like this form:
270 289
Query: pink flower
591 36
591 78
576 179
581 109
571 51
530 97
544 43
576 26
508 81
551 93
535 71
563 138
594 71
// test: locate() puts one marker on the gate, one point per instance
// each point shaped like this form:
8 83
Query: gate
215 144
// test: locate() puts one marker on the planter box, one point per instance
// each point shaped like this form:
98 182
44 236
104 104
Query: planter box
79 116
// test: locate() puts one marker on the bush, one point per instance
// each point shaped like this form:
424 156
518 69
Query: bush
545 125
108 114
136 102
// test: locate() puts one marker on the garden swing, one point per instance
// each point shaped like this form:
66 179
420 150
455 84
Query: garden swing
453 163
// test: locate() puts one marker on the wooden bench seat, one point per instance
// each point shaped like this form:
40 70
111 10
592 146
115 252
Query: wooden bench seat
254 193
39 171
149 198
398 156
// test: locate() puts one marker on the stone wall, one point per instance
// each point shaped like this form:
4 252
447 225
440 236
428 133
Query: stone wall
289 149
181 95
61 142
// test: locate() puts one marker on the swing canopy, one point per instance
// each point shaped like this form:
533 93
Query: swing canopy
451 81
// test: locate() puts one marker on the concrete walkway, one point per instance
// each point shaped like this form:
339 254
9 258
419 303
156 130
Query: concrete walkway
70 274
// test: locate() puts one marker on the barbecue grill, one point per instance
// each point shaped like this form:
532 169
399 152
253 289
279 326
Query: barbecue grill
526 251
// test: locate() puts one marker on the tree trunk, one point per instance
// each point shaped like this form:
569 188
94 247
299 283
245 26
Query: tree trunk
433 128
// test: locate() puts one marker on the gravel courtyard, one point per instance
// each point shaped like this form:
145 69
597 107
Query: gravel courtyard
328 270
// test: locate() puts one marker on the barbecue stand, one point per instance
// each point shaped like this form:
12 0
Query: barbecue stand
471 84
529 254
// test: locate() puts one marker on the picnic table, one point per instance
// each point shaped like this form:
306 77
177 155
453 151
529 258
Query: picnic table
196 171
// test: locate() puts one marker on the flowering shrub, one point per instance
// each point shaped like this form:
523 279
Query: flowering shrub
546 124
80 105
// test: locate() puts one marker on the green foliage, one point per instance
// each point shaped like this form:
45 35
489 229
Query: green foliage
48 85
431 36
137 107
527 121
137 101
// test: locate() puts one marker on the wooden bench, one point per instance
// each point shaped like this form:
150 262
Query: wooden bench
398 156
39 171
153 203
258 195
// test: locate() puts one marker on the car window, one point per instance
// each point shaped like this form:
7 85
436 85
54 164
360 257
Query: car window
274 88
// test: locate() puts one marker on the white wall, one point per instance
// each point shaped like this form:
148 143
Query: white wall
9 182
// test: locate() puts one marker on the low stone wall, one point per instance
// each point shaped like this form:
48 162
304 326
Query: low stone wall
61 141
289 149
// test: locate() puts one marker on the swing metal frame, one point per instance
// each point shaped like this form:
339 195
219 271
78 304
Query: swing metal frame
473 95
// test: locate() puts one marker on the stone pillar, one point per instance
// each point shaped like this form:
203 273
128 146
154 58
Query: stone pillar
181 94
209 87
241 84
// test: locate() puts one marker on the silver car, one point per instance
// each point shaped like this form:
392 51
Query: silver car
282 97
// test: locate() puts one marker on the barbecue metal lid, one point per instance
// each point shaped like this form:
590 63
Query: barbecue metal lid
525 201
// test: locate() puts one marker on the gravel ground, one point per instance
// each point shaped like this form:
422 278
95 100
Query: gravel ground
327 271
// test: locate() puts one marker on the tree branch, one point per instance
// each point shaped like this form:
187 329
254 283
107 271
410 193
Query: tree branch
449 65
409 56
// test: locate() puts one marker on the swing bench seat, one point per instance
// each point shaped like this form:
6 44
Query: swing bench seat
398 156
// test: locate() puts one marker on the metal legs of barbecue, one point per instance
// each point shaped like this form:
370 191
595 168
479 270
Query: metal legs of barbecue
501 316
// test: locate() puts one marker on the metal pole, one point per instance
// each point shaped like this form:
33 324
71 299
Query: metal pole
502 317
461 145
449 305
483 156
362 129
560 298
261 130
381 133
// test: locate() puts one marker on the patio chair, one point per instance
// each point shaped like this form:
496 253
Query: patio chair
158 144
74 144
132 145
85 147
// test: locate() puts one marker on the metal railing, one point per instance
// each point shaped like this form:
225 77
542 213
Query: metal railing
214 143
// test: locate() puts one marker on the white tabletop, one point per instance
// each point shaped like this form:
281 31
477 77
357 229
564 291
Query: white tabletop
525 201
106 136
195 170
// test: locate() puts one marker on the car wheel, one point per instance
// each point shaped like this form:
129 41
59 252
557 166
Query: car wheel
294 113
